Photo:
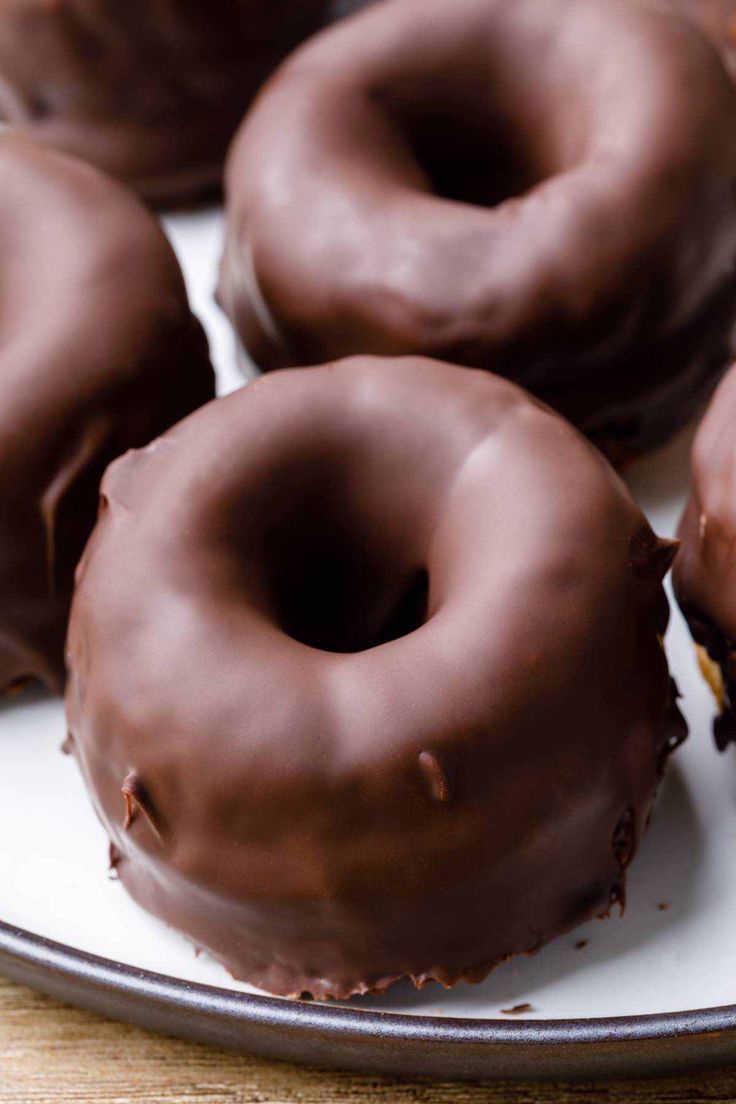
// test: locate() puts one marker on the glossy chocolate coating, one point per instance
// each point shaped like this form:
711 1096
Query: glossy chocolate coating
149 90
718 19
365 676
544 188
98 353
705 577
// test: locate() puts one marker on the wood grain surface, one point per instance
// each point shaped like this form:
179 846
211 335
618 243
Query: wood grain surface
50 1054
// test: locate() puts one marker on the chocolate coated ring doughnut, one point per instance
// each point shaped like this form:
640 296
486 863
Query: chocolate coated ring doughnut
545 188
149 90
98 353
366 678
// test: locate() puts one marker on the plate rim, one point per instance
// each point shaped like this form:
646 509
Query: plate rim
179 1007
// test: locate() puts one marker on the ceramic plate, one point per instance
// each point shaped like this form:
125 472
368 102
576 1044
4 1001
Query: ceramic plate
653 990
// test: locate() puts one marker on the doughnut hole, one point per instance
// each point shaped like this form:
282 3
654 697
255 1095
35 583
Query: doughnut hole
481 159
338 596
471 164
337 569
415 109
333 586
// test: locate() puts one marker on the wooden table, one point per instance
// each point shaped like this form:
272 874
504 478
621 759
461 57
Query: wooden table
50 1054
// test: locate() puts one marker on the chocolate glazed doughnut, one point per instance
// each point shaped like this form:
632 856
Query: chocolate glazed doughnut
705 579
150 90
483 181
366 677
98 353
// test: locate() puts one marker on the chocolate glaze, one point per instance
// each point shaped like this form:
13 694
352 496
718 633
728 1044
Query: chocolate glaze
150 90
705 578
545 188
718 19
365 676
98 353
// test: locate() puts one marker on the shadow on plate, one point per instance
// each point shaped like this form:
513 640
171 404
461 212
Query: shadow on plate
660 482
30 694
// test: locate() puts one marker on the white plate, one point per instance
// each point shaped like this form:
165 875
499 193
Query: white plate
673 950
